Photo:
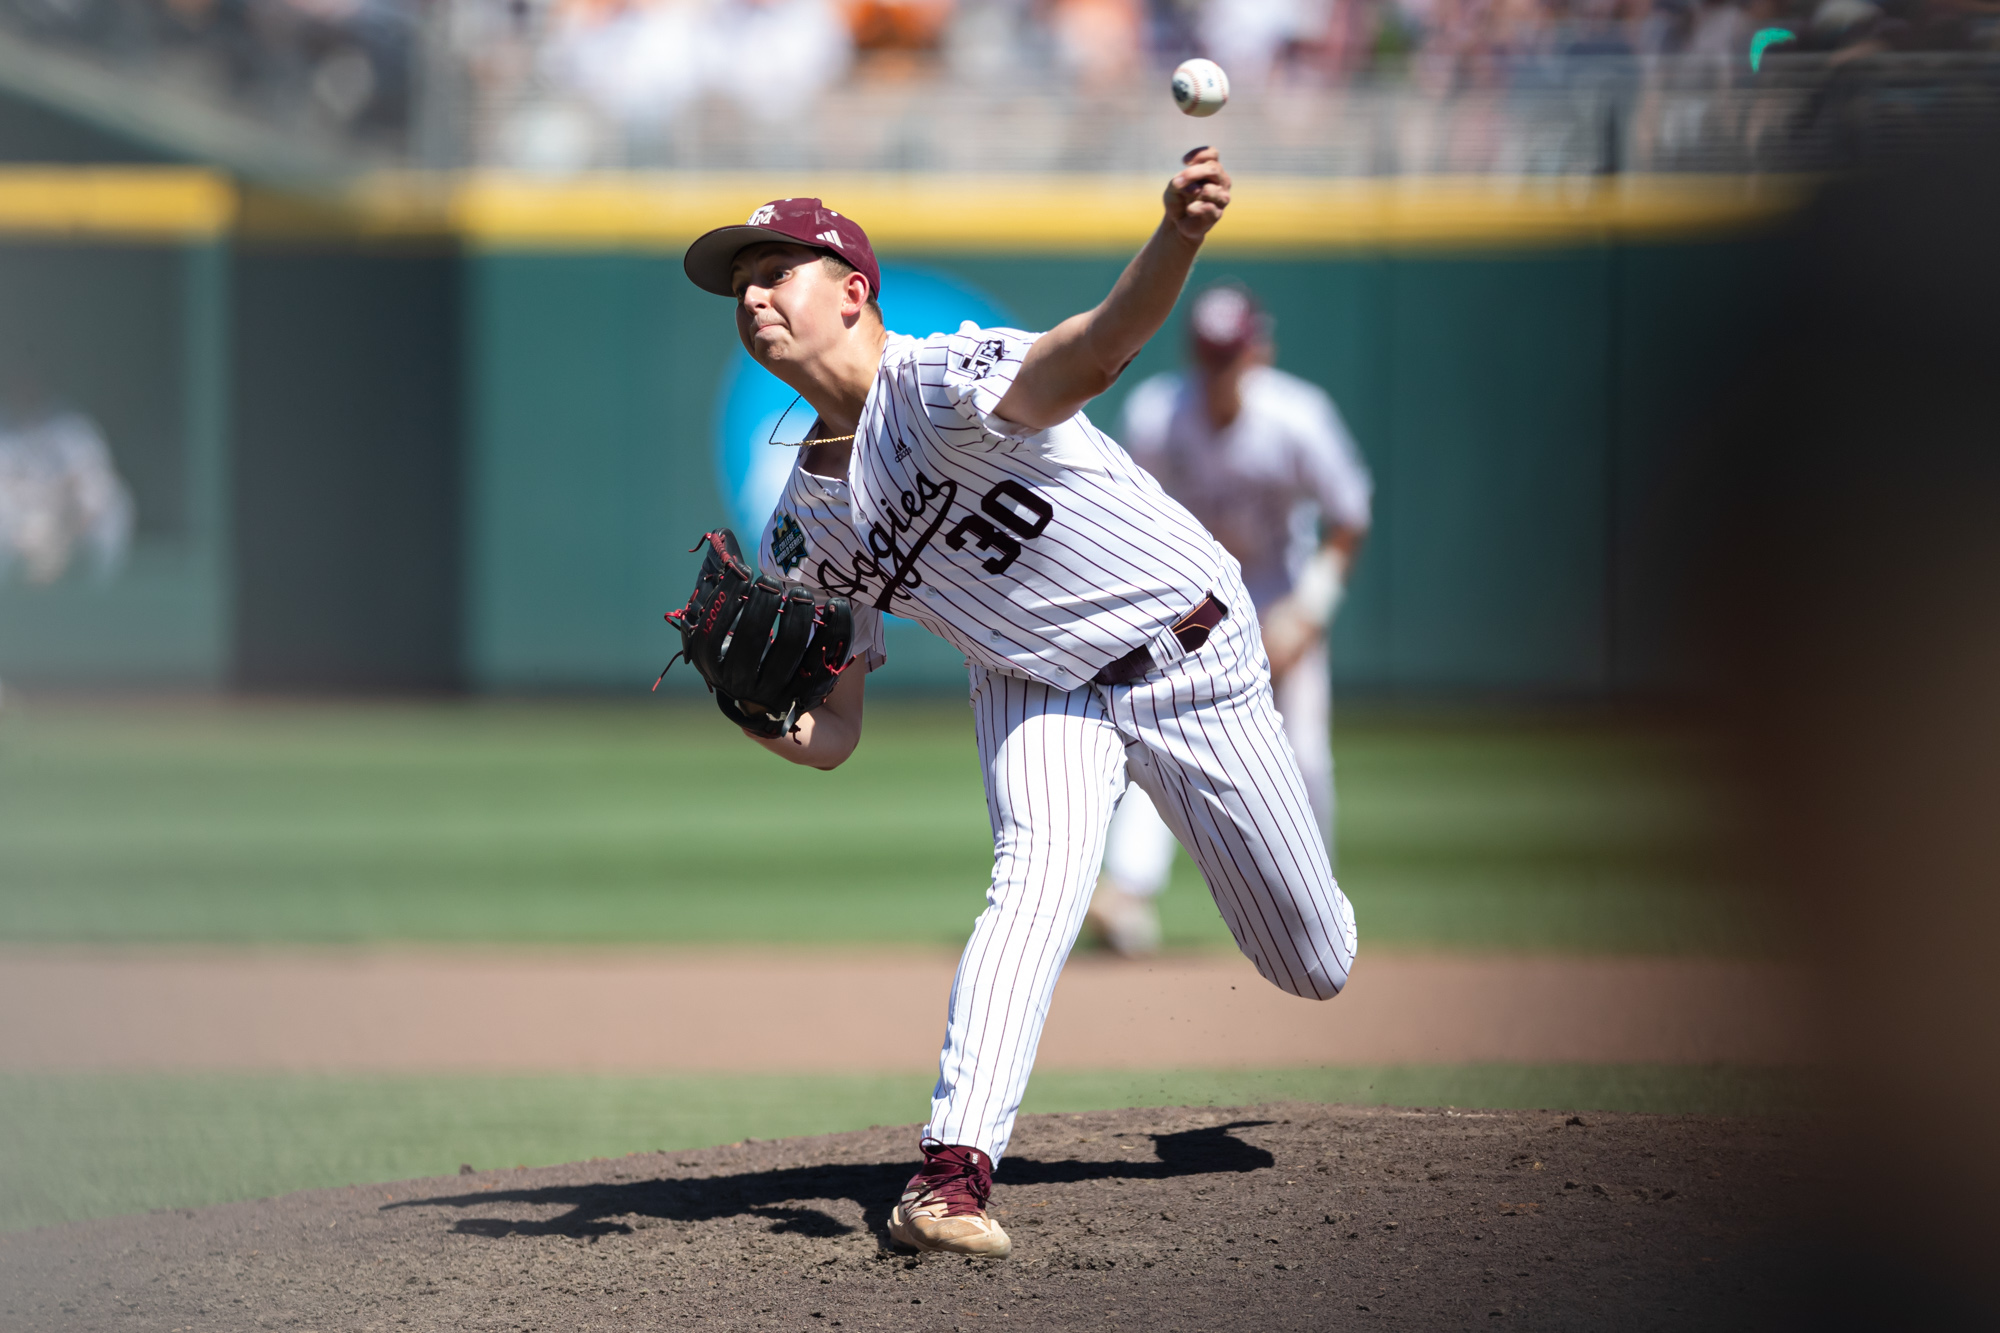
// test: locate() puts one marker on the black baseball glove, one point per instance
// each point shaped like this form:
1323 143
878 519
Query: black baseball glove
769 651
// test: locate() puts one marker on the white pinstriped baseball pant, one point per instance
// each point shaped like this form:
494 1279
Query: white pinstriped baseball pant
1203 740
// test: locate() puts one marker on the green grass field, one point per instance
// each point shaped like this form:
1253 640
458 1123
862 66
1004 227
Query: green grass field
525 823
80 1146
657 822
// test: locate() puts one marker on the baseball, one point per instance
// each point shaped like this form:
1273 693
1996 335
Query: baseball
1200 87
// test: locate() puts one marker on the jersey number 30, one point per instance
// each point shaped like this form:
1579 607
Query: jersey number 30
1014 507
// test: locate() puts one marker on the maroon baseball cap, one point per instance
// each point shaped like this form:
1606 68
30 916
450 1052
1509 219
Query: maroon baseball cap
1224 320
802 221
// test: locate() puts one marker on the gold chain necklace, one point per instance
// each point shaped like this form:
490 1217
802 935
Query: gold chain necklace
798 444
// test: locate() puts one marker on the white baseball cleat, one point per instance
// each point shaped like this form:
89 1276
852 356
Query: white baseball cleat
944 1206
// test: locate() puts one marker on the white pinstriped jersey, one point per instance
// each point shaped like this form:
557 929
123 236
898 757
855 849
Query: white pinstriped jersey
1043 555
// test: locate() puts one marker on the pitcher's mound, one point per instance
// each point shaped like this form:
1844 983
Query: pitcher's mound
1265 1218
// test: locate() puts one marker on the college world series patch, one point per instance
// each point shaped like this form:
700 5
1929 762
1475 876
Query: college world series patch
788 543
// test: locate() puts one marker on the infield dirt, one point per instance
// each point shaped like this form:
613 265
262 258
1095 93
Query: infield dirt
1269 1218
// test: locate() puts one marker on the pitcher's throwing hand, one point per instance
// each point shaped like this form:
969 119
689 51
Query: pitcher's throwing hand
1197 196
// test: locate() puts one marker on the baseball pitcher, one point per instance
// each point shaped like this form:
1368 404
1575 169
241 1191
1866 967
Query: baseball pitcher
955 480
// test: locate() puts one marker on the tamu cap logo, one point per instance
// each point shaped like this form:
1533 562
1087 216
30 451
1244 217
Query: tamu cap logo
802 221
1224 320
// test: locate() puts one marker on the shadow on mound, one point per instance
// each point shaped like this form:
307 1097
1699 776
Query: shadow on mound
777 1194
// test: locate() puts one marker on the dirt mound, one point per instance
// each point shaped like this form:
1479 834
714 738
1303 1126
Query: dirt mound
1266 1218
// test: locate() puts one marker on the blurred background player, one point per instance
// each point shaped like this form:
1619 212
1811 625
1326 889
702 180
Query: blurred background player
60 492
1263 459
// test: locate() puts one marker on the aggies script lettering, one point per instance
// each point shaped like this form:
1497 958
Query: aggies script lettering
1010 504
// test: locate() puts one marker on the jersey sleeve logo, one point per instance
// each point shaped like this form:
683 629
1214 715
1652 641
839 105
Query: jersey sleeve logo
979 362
788 544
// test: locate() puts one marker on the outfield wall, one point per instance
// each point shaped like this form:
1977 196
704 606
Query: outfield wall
462 434
114 295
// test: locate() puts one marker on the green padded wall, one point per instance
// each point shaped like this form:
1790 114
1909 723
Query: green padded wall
1499 394
1688 323
1518 410
135 336
346 471
589 474
419 470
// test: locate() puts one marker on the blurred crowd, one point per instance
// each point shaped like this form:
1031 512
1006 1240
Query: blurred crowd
345 66
363 65
637 64
771 53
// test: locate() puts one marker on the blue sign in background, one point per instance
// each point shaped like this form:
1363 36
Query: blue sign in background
916 301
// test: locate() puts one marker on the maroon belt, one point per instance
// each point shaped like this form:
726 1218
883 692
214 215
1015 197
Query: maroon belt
1191 629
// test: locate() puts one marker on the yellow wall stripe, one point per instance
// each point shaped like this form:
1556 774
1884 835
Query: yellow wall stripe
991 214
1085 213
115 203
